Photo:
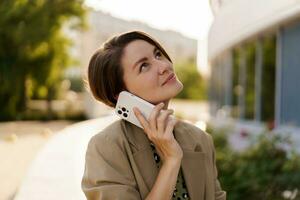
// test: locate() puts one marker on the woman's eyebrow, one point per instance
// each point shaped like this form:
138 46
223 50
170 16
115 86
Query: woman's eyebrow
139 61
143 59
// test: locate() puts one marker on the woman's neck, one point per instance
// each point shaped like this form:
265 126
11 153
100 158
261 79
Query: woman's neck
166 104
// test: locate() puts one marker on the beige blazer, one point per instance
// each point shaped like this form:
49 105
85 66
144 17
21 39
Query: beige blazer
120 164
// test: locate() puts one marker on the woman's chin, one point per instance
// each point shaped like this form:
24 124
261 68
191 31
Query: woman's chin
179 87
174 92
166 94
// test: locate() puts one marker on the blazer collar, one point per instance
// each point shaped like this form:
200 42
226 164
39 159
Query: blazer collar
193 162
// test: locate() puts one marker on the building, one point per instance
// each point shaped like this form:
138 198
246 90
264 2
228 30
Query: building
254 54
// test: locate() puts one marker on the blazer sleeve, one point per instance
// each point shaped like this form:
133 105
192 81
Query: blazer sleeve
107 174
219 193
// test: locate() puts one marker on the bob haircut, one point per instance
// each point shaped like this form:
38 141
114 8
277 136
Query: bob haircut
105 73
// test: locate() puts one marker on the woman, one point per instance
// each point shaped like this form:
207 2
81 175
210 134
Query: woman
169 158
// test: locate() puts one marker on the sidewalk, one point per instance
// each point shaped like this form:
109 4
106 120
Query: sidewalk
57 170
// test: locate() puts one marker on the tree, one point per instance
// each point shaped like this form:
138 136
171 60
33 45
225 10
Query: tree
194 86
33 47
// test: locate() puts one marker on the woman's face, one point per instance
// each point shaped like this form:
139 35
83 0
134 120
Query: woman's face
148 73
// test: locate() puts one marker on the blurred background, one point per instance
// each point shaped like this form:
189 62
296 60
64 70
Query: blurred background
239 63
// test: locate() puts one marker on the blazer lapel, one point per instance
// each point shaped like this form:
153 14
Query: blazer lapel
142 154
193 162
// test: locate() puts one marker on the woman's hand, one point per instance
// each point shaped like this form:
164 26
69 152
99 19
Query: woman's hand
159 130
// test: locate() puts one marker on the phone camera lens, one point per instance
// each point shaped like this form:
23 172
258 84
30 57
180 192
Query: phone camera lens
125 115
120 112
123 109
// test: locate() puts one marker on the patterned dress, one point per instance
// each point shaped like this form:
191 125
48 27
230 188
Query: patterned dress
180 191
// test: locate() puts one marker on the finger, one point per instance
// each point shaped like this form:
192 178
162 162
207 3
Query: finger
170 126
162 120
153 115
141 118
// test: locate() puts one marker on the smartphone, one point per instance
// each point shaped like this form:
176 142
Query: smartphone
126 102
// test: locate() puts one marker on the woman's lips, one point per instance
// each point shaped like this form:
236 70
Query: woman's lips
170 78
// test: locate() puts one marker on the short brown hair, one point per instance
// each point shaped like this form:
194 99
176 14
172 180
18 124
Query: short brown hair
105 73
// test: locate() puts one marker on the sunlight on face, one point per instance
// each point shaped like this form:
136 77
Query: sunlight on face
148 73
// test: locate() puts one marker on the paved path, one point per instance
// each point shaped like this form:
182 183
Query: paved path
57 170
20 141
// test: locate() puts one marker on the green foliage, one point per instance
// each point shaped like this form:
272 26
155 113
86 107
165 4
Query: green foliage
235 81
262 171
194 86
268 79
76 84
250 80
220 136
58 115
33 51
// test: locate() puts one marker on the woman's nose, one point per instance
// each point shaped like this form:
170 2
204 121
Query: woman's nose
163 67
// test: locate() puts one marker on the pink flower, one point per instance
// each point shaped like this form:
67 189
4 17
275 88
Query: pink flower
244 133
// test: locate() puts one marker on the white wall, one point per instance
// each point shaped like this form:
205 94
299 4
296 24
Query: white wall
240 19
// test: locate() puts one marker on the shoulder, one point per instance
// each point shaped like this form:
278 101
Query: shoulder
194 130
112 135
196 134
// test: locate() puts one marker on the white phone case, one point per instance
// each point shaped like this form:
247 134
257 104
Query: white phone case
126 101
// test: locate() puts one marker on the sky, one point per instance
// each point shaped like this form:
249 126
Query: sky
192 18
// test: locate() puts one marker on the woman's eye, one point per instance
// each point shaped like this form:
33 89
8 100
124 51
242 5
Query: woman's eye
142 66
158 54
